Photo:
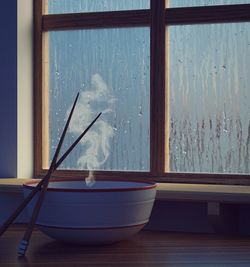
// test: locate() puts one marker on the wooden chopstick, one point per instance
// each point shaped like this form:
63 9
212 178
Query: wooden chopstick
24 203
24 242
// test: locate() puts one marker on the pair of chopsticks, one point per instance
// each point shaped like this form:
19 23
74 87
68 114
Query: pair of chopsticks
43 185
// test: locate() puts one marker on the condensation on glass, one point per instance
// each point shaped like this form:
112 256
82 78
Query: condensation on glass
78 6
189 3
209 92
111 70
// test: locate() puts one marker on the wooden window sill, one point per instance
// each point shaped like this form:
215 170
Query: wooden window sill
12 184
170 191
201 192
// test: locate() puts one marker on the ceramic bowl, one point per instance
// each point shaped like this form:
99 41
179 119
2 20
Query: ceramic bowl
107 212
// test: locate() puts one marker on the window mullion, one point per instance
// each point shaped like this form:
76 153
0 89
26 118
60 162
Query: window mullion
131 18
208 14
38 57
157 87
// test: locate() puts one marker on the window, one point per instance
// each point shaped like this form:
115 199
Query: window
171 79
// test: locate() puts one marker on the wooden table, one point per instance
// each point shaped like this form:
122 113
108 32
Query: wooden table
144 249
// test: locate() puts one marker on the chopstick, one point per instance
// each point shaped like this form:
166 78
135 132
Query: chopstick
39 185
24 203
24 242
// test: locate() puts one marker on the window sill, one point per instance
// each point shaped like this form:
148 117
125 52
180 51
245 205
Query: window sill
171 191
12 185
201 192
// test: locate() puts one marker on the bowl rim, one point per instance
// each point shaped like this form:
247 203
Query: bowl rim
150 185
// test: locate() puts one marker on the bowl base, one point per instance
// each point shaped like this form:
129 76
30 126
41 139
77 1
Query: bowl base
90 236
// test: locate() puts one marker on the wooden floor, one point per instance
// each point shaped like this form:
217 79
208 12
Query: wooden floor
144 249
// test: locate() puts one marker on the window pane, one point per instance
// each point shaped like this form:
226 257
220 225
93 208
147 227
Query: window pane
110 68
209 81
77 6
188 3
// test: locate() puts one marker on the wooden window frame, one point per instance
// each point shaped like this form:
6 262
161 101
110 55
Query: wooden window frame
157 17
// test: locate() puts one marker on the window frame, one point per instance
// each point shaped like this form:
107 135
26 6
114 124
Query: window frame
157 18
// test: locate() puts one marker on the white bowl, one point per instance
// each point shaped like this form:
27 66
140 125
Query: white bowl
107 212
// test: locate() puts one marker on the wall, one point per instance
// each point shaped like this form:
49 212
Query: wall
16 153
8 89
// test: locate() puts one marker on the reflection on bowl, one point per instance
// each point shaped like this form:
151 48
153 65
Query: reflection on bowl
107 212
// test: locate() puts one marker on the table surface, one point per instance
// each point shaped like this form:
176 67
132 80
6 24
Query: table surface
147 248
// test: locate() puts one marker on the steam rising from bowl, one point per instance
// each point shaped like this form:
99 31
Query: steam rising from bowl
96 144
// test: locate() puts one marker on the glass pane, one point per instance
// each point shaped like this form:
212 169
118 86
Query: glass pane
209 83
110 68
188 3
77 6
